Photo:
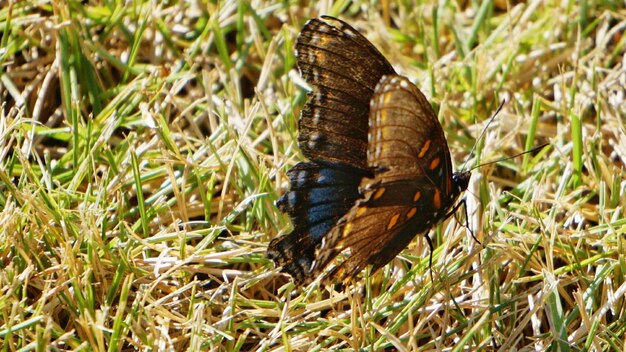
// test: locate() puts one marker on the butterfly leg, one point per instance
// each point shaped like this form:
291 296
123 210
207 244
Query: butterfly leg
454 210
430 257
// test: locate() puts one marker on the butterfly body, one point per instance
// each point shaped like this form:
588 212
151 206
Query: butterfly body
379 172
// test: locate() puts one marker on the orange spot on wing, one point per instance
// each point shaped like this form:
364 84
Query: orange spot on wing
387 97
411 213
437 199
417 196
360 211
393 221
434 163
379 193
424 149
347 229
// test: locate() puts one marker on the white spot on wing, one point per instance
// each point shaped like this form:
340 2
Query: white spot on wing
292 198
316 117
301 179
313 139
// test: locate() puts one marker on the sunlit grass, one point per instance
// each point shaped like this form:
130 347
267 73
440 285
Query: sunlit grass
143 146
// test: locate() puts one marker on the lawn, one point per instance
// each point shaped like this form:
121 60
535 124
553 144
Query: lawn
143 146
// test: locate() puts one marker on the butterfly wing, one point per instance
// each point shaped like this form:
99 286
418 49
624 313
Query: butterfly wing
319 196
344 68
411 189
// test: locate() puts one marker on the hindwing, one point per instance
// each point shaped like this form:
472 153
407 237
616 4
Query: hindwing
320 194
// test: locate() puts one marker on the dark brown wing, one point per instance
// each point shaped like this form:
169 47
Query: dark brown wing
411 190
343 67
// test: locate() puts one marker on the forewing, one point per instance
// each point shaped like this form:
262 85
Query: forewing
344 68
406 139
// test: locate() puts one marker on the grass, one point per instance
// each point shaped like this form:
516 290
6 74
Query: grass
143 145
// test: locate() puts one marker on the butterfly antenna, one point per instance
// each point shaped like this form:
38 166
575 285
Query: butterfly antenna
483 133
511 157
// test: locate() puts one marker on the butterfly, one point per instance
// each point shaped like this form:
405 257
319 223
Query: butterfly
378 171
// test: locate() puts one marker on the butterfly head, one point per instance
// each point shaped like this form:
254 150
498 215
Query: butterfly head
460 181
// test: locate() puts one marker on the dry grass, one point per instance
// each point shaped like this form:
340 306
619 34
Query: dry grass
143 145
